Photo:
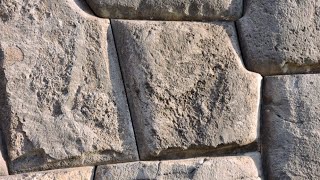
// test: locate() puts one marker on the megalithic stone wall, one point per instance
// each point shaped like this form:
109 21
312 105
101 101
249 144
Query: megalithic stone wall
146 89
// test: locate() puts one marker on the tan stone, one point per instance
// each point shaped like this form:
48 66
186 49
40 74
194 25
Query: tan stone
227 168
188 91
82 173
61 89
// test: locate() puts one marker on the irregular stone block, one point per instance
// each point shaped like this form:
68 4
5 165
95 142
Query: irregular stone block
233 167
280 36
186 87
81 173
168 9
62 94
291 126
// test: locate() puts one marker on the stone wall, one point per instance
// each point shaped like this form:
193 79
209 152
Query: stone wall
159 89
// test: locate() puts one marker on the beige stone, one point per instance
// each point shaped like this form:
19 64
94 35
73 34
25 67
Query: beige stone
63 98
168 9
227 168
291 126
82 173
188 91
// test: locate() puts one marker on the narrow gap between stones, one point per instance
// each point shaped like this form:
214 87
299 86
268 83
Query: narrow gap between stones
84 6
4 111
242 56
125 90
94 172
259 141
263 158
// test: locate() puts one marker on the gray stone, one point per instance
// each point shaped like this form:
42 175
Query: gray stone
187 88
227 168
63 100
291 127
81 173
281 36
168 9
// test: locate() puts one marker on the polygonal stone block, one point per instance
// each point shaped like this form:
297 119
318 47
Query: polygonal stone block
63 100
187 89
291 126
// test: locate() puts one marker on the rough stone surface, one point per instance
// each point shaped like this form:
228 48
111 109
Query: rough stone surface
168 9
186 87
82 173
236 167
291 127
281 36
63 100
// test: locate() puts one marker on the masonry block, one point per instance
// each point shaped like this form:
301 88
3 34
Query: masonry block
291 126
227 168
62 95
168 9
281 36
81 173
188 91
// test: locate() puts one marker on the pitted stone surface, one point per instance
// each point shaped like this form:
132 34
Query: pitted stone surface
281 36
168 9
82 173
186 87
62 94
236 167
291 126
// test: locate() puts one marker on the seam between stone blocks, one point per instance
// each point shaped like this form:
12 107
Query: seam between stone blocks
125 90
260 115
94 172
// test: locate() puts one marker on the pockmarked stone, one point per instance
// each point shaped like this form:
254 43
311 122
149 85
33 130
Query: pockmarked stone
280 36
237 167
291 126
62 99
81 173
168 9
187 89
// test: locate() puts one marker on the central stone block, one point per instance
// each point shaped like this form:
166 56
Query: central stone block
187 87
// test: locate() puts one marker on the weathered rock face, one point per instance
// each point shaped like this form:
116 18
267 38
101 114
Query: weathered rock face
168 9
280 36
82 173
236 167
64 101
186 87
291 127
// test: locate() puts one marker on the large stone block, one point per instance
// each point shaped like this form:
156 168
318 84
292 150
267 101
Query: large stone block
186 86
63 100
291 127
281 36
226 168
168 9
82 173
